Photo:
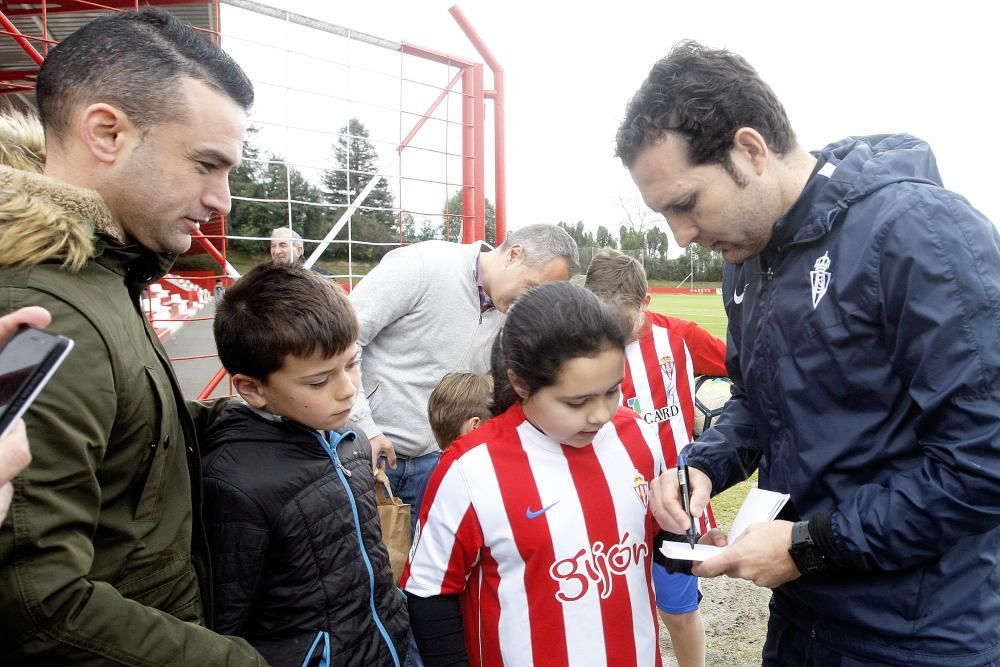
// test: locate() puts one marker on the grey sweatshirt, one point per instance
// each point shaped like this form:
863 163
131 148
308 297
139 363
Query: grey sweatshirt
420 319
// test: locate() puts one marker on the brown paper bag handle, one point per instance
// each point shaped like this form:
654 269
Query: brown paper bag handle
383 490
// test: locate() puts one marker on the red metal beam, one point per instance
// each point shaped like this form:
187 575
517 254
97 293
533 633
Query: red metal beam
468 156
427 114
209 248
500 157
499 117
18 74
479 109
11 29
435 56
71 6
209 389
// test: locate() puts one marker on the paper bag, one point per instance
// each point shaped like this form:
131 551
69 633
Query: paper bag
394 515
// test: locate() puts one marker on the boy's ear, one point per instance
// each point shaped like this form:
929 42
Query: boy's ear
520 388
469 425
251 389
646 299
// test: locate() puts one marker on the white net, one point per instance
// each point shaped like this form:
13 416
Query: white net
342 118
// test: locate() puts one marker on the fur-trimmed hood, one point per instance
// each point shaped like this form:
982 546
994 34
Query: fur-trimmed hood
42 219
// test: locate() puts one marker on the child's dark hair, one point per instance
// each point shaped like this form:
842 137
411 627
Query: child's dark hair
546 327
278 310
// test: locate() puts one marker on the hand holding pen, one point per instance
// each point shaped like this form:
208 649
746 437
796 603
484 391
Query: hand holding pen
682 480
666 500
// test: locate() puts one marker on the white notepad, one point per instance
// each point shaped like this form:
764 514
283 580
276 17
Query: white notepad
758 507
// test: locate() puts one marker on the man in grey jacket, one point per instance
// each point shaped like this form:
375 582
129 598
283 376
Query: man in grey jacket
429 309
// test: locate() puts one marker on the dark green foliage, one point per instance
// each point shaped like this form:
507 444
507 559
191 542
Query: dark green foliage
451 229
264 176
583 238
356 162
604 239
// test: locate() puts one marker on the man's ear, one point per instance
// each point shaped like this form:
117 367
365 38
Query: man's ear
750 144
514 254
107 132
645 300
251 389
520 387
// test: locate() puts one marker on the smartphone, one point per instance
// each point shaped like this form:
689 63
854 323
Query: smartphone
27 361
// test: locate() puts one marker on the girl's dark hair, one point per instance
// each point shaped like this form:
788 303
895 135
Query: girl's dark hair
546 327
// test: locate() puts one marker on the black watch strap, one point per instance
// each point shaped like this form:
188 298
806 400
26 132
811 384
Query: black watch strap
804 552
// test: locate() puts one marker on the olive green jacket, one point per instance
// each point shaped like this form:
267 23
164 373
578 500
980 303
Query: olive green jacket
101 553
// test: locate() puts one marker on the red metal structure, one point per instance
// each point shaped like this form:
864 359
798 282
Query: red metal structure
29 29
33 27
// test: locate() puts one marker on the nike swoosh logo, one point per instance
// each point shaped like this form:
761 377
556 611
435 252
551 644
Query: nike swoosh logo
534 514
738 296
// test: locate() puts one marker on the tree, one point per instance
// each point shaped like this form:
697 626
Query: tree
604 239
637 219
632 238
583 238
409 226
657 243
708 264
451 229
267 177
357 163
428 231
244 181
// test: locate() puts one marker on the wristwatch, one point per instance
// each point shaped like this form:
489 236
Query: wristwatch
804 551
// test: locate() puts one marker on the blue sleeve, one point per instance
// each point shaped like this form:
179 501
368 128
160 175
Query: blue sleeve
939 277
728 452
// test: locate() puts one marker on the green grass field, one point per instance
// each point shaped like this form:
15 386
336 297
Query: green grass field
706 310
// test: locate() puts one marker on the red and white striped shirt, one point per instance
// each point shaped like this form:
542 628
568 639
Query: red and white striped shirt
660 367
549 545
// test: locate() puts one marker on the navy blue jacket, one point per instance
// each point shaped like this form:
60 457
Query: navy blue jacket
864 346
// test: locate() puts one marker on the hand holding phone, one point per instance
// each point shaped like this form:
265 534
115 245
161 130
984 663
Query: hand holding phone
14 452
27 361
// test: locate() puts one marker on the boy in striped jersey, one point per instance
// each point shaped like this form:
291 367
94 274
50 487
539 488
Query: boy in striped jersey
663 356
535 541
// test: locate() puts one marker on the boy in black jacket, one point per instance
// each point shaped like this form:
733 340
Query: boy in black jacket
300 568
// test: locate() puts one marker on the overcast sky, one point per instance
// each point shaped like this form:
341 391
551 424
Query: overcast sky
842 68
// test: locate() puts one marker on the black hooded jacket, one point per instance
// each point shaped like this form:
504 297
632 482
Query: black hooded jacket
285 537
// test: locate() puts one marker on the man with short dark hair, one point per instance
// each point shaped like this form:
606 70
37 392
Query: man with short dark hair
103 559
864 348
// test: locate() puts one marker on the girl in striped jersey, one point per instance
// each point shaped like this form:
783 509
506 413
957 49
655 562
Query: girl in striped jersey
661 359
535 535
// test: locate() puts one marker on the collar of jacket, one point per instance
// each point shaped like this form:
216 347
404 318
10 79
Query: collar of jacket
864 165
269 428
138 265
